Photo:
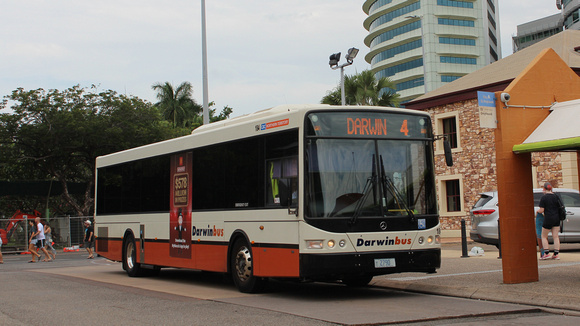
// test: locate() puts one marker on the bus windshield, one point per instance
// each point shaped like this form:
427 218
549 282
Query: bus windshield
349 177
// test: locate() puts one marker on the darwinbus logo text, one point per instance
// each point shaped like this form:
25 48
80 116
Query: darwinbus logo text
386 242
208 232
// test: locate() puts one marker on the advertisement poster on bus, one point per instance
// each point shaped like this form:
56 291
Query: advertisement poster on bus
180 213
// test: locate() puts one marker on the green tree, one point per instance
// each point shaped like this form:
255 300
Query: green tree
57 135
364 89
176 104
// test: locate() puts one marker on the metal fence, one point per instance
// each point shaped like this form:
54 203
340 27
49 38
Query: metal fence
67 231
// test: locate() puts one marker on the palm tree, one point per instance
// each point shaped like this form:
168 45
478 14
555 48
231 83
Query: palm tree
176 105
364 89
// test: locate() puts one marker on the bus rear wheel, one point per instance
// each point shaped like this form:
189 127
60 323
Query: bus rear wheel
242 268
130 264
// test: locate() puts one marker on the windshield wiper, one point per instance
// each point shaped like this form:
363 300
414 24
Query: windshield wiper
388 184
370 184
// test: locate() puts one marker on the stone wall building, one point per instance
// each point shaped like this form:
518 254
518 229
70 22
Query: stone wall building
454 109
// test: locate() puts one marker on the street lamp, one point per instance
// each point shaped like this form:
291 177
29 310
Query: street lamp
423 49
333 62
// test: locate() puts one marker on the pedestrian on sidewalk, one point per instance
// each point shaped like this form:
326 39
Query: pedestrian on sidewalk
48 237
32 242
41 240
549 205
539 223
1 259
89 239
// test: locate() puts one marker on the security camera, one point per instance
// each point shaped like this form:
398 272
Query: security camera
505 97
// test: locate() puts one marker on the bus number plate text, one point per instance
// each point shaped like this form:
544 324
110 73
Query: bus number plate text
385 263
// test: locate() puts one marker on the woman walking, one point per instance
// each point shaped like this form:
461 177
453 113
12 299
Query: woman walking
549 204
32 241
48 237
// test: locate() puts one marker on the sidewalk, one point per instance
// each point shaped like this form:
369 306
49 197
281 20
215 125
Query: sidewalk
481 277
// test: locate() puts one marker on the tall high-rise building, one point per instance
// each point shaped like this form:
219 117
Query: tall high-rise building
422 44
537 30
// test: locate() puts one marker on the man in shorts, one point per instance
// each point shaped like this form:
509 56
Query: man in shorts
41 239
89 239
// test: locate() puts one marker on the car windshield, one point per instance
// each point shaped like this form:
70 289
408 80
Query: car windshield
366 177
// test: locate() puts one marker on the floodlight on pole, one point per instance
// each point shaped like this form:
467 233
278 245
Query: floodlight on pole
333 62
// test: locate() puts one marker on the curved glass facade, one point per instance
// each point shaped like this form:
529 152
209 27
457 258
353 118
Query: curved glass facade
396 50
394 14
395 32
456 37
379 4
390 71
410 84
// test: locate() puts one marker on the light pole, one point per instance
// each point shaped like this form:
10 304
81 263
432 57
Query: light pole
423 50
204 65
334 59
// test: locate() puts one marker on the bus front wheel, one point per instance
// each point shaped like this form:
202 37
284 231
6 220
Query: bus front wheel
242 268
130 264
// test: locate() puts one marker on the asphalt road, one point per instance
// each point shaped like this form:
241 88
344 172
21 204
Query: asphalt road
74 290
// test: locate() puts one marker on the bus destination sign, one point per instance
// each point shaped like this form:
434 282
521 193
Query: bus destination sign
368 124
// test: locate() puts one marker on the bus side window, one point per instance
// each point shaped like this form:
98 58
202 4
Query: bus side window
282 182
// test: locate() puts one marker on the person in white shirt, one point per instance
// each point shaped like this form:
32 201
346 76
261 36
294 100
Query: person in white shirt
40 239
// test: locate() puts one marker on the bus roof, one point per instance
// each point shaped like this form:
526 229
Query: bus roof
238 127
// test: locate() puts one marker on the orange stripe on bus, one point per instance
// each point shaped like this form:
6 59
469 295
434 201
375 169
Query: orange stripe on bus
268 262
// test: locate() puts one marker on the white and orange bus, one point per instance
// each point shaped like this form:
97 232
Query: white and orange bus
308 192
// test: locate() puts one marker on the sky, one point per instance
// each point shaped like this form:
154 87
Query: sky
261 53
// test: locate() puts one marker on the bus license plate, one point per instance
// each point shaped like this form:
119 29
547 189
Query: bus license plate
385 263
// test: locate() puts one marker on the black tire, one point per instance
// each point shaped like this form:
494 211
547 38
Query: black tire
130 264
358 281
241 262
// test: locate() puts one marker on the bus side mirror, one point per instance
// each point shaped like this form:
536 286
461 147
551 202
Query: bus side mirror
447 150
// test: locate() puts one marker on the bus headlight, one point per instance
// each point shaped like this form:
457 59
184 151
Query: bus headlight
314 244
421 240
330 243
438 239
430 239
342 243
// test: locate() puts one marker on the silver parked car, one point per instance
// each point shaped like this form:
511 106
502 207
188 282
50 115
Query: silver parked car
485 213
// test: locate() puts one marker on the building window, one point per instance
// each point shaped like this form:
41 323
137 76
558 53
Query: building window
391 71
451 201
453 195
460 60
394 14
449 78
394 32
456 41
396 50
454 3
456 22
410 84
450 131
448 124
379 4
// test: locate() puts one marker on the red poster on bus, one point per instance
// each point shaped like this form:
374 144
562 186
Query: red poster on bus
180 214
